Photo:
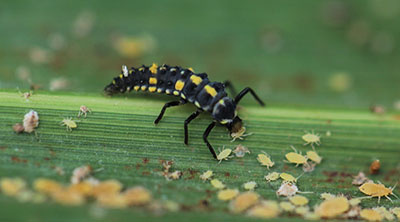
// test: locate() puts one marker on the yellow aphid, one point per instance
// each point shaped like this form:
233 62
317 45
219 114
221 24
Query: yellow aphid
371 215
287 206
115 200
68 198
137 196
83 188
69 123
303 210
327 196
396 211
298 200
385 213
224 154
266 209
239 134
295 157
272 176
227 194
354 202
250 185
311 216
312 155
217 184
265 160
332 207
244 201
288 177
47 186
287 189
206 175
108 187
311 138
12 186
376 190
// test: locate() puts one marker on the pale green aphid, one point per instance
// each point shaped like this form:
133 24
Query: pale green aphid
296 157
311 138
224 154
69 123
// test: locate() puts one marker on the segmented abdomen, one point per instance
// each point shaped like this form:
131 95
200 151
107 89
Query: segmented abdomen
195 88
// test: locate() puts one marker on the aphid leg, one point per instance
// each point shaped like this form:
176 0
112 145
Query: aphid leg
187 121
389 198
167 105
229 85
244 92
379 199
205 135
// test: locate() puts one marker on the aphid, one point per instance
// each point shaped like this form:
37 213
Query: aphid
240 134
31 121
332 207
244 201
227 194
206 175
327 196
18 128
68 198
240 151
328 133
266 209
83 110
360 179
287 189
375 166
189 87
302 210
250 185
224 154
287 206
112 201
47 186
137 196
288 177
377 190
385 213
107 188
80 173
272 176
311 138
370 215
69 123
296 157
217 184
265 160
298 200
313 155
12 186
396 211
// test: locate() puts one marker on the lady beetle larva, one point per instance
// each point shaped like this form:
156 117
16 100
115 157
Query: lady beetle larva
69 123
189 87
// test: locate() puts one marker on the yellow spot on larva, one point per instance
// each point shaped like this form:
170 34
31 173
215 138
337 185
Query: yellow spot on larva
141 69
183 96
227 194
153 68
179 85
152 80
121 76
159 90
197 104
136 88
176 93
113 82
370 215
167 91
196 79
191 69
152 89
221 101
217 184
210 90
143 88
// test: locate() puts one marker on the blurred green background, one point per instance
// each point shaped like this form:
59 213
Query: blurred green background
318 53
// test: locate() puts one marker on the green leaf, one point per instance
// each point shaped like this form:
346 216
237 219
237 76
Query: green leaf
120 139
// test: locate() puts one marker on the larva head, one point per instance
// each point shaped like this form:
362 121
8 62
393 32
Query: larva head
225 113
118 84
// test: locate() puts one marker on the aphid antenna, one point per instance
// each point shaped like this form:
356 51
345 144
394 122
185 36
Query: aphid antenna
389 198
305 192
98 170
262 151
299 176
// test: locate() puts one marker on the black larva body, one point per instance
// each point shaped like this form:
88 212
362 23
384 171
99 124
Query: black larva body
190 87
